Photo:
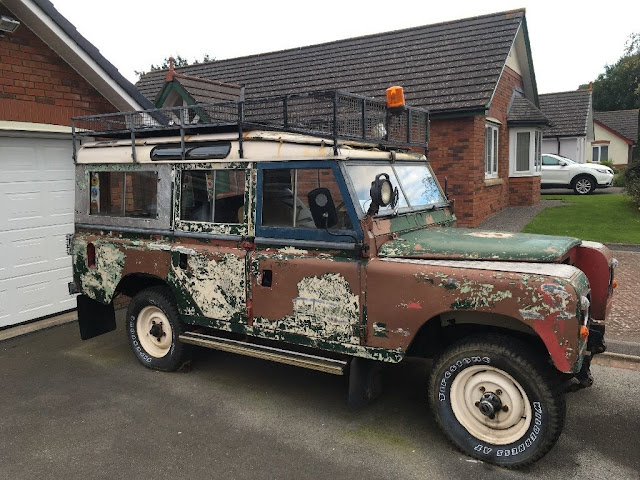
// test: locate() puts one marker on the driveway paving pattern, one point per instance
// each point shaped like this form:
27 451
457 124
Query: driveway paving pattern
75 410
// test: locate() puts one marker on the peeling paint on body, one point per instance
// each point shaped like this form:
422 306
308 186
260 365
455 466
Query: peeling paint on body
216 287
99 282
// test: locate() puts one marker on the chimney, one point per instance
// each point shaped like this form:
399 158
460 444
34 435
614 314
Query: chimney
171 73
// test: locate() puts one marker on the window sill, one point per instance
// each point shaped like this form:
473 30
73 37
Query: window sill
489 182
524 174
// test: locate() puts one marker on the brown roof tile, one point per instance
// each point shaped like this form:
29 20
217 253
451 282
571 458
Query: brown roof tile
569 112
524 112
625 122
447 66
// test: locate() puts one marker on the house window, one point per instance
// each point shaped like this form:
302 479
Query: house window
525 152
491 151
600 153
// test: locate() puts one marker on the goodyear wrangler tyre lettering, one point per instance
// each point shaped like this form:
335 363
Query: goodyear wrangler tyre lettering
497 400
153 327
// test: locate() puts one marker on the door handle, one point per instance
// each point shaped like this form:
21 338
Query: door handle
183 262
267 278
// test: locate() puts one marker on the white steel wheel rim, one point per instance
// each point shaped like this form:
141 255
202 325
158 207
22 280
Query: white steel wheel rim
583 186
149 318
507 426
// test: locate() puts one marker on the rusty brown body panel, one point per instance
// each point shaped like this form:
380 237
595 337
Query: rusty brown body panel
309 292
547 304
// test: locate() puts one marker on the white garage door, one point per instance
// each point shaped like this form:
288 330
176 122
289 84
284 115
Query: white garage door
36 214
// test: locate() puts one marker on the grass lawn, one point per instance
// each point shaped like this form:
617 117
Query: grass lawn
602 218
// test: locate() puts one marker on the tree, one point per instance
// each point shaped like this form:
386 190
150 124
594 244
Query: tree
178 61
618 88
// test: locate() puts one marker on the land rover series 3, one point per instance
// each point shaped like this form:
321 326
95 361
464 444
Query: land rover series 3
310 229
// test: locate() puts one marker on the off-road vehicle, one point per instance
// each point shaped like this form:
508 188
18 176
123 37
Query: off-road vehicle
310 229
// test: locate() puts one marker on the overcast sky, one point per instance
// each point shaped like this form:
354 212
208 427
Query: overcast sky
571 41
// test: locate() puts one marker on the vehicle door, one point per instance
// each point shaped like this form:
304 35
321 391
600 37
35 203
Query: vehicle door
305 279
554 171
208 269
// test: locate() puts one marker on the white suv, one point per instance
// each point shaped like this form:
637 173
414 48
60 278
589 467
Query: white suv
584 178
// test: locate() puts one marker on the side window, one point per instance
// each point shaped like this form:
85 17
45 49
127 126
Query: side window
546 160
124 194
214 196
286 193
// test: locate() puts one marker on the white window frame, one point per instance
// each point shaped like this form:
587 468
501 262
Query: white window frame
491 150
535 152
599 147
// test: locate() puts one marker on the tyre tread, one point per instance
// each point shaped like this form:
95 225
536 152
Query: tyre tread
539 371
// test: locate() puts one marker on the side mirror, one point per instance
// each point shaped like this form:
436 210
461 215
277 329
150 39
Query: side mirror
562 163
323 210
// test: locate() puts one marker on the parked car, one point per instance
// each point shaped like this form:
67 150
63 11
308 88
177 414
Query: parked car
583 178
319 244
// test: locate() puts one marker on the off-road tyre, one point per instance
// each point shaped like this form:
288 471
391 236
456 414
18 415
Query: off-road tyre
583 184
154 308
523 377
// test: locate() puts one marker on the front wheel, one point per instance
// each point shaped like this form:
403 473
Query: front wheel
153 327
584 185
497 400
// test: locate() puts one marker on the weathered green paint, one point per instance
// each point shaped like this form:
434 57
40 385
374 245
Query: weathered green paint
372 353
470 244
99 282
419 220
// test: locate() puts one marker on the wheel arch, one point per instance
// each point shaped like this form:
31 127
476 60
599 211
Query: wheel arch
444 329
587 175
133 283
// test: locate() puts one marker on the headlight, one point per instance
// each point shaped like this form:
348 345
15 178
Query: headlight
386 190
604 170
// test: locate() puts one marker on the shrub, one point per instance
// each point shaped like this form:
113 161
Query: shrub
609 163
619 179
632 181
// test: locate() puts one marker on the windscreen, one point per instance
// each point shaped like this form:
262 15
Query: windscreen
417 188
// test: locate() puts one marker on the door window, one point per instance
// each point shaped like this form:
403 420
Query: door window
214 196
286 197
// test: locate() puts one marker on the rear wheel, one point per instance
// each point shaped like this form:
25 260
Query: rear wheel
497 400
583 185
153 327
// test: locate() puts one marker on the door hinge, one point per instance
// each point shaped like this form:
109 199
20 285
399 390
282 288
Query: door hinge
69 243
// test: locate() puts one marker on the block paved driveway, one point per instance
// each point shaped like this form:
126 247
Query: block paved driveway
624 320
77 410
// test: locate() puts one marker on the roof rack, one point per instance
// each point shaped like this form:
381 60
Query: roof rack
331 114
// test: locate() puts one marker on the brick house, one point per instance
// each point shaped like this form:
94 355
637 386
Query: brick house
475 76
48 73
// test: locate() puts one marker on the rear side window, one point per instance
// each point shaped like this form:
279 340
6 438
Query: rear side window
214 196
123 194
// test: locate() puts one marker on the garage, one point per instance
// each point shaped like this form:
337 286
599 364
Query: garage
36 214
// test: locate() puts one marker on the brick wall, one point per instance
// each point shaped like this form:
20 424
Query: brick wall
36 85
524 191
456 151
518 191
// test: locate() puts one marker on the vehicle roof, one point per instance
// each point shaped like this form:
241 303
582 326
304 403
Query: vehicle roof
258 145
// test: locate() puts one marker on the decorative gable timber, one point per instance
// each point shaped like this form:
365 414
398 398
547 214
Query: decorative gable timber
180 89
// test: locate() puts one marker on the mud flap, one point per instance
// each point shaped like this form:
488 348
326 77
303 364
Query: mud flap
365 382
94 318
